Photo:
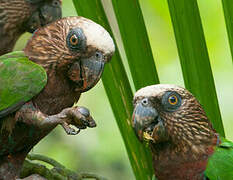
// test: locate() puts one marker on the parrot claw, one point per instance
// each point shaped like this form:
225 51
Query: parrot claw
69 130
86 118
78 117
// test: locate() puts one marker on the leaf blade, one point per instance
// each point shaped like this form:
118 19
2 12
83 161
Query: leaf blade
136 42
120 95
194 57
228 14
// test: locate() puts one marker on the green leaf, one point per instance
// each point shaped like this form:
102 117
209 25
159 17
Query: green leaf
228 13
194 57
220 163
136 42
120 95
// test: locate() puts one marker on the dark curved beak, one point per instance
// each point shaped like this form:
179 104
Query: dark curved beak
148 125
144 119
86 73
91 72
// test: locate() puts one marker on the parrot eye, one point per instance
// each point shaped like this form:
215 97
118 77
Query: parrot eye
171 101
99 55
56 3
76 40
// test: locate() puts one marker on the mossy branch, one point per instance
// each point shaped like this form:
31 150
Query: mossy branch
58 172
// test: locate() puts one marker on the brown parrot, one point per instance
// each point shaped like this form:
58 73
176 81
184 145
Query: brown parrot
20 16
39 86
183 143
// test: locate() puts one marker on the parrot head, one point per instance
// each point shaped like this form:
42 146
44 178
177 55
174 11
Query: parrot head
168 113
74 46
45 12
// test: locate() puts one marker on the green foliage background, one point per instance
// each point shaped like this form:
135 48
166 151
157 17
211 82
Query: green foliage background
101 150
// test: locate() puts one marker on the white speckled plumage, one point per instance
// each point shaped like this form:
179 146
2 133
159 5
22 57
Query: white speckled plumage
154 90
97 36
54 38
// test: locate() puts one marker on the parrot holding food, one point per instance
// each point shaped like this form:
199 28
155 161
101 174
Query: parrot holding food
20 16
39 86
183 143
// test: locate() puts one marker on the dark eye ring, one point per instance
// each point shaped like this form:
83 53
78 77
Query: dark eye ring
76 40
145 102
56 3
98 55
171 101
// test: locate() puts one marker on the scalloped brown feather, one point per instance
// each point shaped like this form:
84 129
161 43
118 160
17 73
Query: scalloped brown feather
192 138
14 15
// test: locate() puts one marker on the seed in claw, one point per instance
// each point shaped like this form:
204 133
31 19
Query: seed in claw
84 111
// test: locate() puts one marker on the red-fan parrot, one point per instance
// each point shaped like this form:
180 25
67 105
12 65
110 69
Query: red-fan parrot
182 140
20 16
39 85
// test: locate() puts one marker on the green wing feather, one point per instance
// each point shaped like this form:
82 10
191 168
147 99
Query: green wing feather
220 164
20 80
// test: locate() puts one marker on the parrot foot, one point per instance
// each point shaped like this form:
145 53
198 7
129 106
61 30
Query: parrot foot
78 117
69 130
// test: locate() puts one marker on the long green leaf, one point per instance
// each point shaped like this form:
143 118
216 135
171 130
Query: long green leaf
119 93
194 57
136 42
228 13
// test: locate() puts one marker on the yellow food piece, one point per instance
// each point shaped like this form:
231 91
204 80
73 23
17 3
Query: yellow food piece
147 136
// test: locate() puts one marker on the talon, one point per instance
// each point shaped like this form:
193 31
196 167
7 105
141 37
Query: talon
69 130
72 131
91 123
80 127
79 117
84 122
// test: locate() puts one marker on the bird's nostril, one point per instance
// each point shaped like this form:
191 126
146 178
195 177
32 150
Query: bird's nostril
145 102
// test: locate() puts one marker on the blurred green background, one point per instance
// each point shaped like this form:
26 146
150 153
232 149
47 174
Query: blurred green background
101 150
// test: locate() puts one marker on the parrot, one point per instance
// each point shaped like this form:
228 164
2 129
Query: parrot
20 16
182 140
39 85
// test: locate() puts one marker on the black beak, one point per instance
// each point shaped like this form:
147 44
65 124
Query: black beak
91 71
147 123
86 73
144 119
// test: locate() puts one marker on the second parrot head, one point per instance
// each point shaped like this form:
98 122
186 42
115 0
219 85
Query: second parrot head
169 113
43 12
75 46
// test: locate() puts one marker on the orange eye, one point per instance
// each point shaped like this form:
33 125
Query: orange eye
173 100
74 40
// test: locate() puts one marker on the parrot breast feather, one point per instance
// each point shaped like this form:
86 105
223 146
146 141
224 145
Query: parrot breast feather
220 164
20 80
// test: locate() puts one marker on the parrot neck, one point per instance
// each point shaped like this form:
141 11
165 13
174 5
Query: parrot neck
174 162
59 93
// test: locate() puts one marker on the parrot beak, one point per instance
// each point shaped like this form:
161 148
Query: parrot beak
144 119
91 73
86 73
148 125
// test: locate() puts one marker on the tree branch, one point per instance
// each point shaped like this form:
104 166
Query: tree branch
58 172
